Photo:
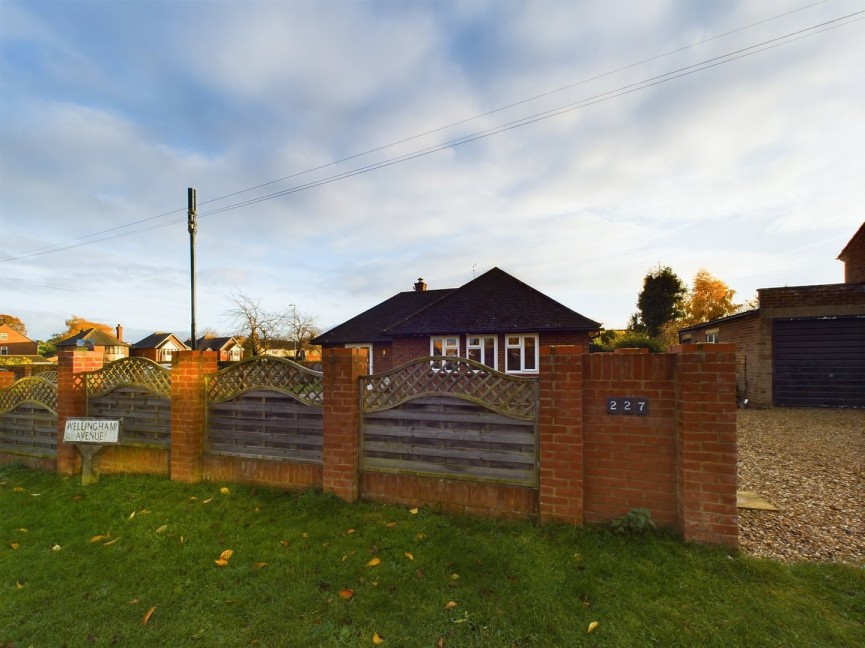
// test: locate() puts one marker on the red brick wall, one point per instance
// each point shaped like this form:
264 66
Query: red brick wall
17 344
189 412
854 258
72 399
809 297
629 461
276 474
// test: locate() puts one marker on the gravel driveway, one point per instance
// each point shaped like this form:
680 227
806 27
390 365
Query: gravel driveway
810 463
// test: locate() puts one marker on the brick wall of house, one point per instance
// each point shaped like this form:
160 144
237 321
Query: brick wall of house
853 257
807 301
16 344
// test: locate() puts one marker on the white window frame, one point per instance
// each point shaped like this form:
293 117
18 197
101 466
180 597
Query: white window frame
450 348
368 347
519 342
478 343
712 336
4 351
4 336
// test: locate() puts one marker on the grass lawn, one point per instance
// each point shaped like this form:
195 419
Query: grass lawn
131 561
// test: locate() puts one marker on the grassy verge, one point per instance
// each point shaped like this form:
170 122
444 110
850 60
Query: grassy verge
300 575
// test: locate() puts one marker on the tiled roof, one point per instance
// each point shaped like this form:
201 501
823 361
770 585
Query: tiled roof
494 302
722 320
211 343
155 340
94 335
369 325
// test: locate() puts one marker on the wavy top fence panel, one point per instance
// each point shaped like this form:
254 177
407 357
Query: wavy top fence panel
266 372
129 372
33 390
515 396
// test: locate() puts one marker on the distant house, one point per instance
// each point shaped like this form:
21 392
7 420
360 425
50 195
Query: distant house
113 348
20 354
495 319
159 347
228 348
804 345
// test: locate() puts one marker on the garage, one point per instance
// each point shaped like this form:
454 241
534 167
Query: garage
819 361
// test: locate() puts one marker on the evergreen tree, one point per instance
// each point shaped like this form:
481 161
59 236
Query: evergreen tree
660 301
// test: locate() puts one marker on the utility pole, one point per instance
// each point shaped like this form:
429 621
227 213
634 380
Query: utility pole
193 227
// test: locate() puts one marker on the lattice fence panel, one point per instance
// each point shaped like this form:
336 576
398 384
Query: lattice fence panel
145 416
265 424
449 437
29 429
134 372
510 395
29 390
266 372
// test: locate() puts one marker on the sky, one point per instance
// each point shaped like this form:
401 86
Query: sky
341 150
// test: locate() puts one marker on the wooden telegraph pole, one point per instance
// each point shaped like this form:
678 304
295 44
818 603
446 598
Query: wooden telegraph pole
193 227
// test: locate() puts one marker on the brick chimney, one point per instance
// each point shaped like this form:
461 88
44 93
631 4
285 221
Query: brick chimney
119 335
420 286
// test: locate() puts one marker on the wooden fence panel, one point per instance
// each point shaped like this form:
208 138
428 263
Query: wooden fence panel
265 424
446 436
29 429
145 416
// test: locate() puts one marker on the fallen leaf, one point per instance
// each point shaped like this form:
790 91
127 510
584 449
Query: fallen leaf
224 490
148 615
284 543
259 565
193 499
35 494
207 501
440 643
21 530
450 605
111 542
375 583
221 562
349 531
133 602
420 536
98 538
225 555
346 593
17 489
455 576
304 535
409 556
162 529
19 585
376 638
375 561
14 545
391 525
414 511
144 512
592 626
131 515
56 547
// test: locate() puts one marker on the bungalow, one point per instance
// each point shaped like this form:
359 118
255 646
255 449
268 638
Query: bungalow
495 319
228 348
113 348
804 346
159 347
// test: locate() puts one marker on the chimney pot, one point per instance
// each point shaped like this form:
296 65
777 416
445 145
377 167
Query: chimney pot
119 335
420 286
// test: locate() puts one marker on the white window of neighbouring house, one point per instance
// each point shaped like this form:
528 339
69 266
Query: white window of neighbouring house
4 336
235 354
712 336
448 347
368 348
4 351
483 349
521 354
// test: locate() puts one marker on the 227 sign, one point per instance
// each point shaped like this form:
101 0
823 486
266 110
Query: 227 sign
628 406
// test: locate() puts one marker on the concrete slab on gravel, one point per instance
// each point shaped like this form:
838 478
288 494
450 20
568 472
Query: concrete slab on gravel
751 500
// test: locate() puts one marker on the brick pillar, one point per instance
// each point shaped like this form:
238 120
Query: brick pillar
7 378
706 443
72 398
561 434
341 414
188 412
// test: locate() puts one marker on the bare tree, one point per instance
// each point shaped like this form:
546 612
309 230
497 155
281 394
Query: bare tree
300 329
258 326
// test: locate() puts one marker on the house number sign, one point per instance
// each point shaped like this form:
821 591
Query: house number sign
628 406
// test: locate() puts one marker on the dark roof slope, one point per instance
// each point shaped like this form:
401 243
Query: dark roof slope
154 340
722 320
94 335
494 302
211 343
369 325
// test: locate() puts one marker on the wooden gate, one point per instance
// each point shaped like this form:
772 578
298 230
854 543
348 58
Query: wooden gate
464 421
138 392
265 408
28 418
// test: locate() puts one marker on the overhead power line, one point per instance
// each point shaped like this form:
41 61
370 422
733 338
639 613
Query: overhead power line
113 232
